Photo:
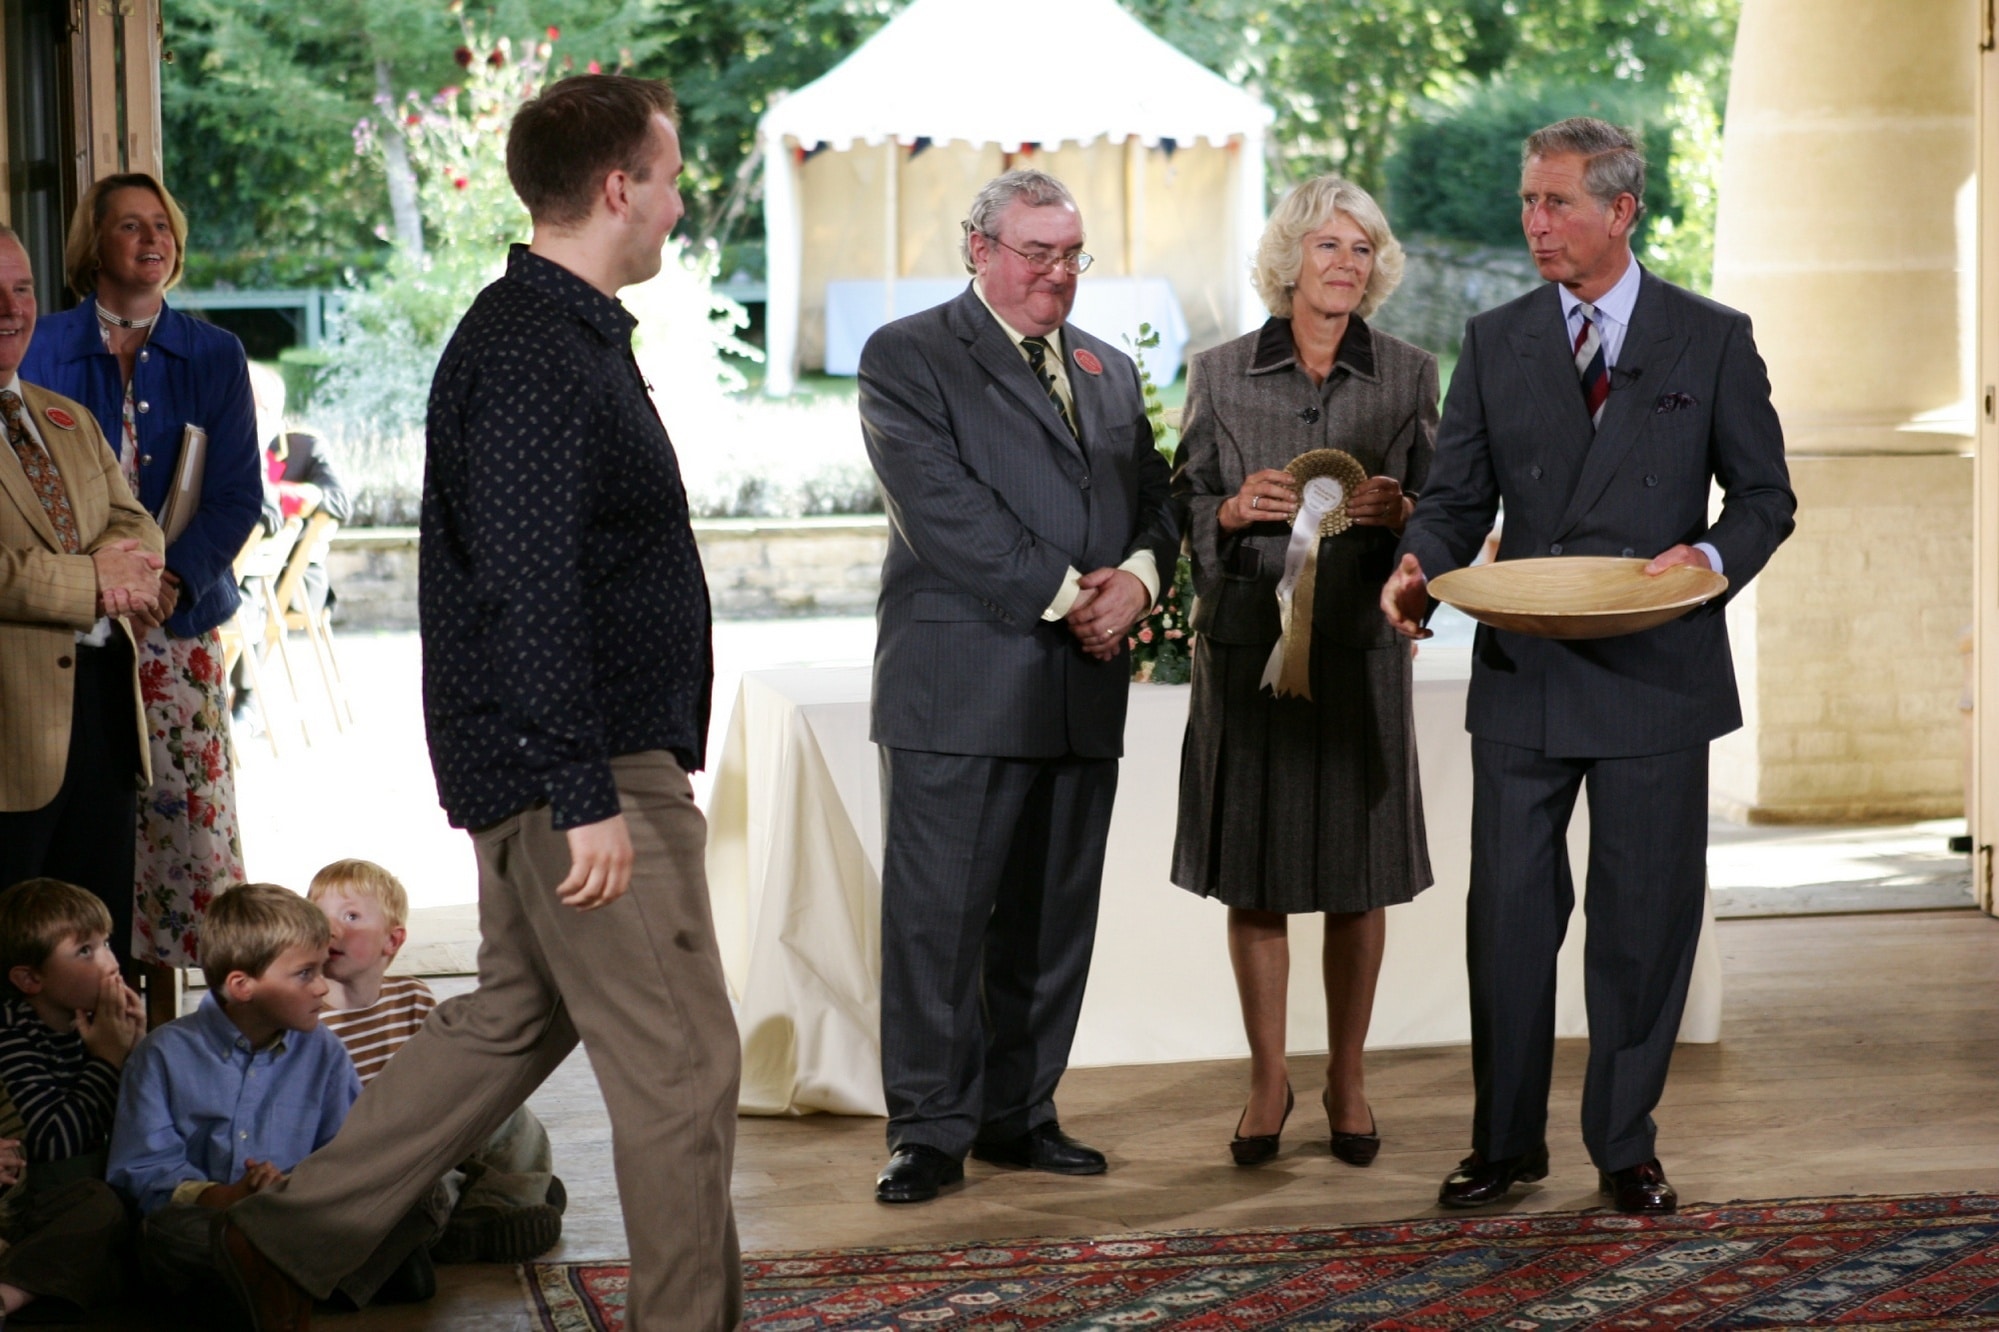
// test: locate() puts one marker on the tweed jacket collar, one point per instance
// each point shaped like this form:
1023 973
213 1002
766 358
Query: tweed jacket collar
1276 351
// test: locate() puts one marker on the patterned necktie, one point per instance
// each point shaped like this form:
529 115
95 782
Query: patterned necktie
1590 366
42 474
1037 357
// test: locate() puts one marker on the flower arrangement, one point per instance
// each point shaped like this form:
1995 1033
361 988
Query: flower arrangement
1162 647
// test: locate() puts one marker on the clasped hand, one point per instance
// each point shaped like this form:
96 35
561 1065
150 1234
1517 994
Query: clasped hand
128 578
1110 602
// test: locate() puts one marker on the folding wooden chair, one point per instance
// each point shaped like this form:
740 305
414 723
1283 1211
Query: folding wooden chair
294 610
256 565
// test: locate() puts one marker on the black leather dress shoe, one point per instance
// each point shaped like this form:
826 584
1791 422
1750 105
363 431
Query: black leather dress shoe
1477 1181
1044 1148
915 1173
1641 1190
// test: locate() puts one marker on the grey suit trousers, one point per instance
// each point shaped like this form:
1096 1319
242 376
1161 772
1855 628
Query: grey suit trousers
991 869
1647 879
640 982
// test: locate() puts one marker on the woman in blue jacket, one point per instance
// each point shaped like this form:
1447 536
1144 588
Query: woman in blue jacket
148 372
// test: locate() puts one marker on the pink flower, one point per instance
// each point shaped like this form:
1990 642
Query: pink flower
201 897
1145 635
594 68
199 812
1175 633
554 33
153 680
412 119
459 182
202 666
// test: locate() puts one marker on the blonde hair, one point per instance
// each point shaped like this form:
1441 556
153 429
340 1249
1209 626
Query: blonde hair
363 878
38 916
1281 252
247 927
80 256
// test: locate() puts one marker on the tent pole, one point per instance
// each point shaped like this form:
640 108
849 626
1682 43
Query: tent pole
891 225
785 264
1134 204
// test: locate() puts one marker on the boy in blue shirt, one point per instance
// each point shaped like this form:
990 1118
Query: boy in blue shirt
224 1102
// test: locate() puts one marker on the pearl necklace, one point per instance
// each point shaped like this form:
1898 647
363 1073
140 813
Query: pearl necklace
122 322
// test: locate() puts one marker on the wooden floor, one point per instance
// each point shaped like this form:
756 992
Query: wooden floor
1860 1054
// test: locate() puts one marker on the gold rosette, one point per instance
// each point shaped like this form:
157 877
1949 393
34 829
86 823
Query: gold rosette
1326 479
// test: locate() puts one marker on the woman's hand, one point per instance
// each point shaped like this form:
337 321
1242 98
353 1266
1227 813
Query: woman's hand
1379 502
1268 496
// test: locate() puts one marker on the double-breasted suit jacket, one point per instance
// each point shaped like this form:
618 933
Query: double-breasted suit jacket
47 596
990 501
1689 405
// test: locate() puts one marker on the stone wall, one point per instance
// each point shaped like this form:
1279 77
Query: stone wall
1445 283
757 568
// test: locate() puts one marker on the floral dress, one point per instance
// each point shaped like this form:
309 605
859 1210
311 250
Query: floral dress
189 847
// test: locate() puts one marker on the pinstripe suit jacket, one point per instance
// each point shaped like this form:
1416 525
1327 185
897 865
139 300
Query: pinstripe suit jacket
990 500
1689 406
46 596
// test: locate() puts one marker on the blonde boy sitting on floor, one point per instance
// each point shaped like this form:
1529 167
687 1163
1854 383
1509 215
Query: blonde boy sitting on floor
507 1205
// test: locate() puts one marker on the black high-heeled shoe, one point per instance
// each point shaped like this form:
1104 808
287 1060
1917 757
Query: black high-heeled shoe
1356 1149
1260 1147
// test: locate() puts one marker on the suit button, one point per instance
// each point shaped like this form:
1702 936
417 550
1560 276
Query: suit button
1651 480
1534 472
145 406
1086 483
145 355
1555 549
64 662
1628 552
145 458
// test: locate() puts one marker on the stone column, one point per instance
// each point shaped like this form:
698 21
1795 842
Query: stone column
1845 230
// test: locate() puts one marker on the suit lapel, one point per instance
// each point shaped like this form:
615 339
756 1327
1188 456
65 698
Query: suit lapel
994 350
14 479
1549 368
1652 347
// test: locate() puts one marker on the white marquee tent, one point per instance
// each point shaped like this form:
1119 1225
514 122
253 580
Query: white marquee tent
869 170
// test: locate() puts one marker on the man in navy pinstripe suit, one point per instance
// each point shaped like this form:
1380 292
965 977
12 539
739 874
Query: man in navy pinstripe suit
1029 529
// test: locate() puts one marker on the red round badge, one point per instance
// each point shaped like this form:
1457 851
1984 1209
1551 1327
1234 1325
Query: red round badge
57 416
1089 361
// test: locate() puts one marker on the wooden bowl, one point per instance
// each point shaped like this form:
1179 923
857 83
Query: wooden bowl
1576 596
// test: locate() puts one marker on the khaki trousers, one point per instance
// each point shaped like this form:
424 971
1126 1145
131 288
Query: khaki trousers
640 982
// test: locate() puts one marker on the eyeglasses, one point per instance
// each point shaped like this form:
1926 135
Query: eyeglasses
1042 263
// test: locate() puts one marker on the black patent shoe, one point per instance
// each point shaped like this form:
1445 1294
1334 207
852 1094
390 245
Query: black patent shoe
1260 1147
1045 1147
1477 1181
1640 1190
1357 1149
916 1172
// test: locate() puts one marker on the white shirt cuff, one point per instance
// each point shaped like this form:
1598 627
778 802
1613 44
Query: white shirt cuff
1713 556
1065 596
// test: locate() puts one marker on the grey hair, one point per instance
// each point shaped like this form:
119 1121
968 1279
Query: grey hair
1280 254
1036 189
1612 163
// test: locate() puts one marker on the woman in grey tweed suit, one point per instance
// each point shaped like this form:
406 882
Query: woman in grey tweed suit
1289 805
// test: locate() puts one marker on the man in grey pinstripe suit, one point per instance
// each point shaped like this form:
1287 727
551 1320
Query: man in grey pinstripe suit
1680 402
1029 528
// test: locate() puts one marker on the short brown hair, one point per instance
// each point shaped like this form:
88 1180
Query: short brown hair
38 916
363 878
567 139
86 229
248 926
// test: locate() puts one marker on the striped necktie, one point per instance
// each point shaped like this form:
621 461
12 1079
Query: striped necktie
1590 365
1037 356
42 475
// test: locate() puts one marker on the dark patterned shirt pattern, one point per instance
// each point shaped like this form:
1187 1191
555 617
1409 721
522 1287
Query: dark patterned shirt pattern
563 606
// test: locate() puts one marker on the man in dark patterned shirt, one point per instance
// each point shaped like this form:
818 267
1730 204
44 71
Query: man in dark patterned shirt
566 682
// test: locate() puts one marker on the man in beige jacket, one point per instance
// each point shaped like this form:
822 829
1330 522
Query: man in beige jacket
77 553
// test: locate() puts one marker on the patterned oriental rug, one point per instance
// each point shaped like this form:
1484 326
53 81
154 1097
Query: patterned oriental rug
1928 1261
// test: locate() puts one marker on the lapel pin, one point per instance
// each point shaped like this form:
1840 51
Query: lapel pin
1088 360
58 417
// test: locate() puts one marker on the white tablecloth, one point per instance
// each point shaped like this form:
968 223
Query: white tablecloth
794 870
1111 308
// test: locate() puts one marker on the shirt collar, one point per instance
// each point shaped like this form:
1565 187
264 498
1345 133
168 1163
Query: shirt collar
1617 303
1053 337
608 316
224 1036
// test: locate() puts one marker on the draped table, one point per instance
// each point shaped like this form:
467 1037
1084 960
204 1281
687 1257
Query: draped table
794 874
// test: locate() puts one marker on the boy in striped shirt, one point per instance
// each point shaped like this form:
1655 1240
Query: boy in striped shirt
67 1023
506 1202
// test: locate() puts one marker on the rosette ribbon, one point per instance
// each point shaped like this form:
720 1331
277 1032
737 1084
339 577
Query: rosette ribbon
1326 478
